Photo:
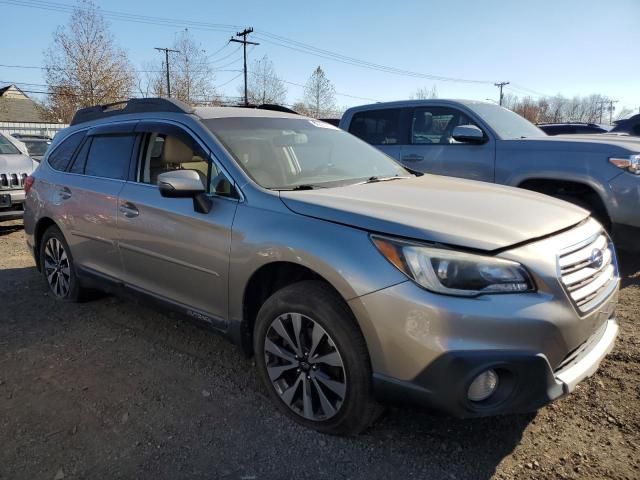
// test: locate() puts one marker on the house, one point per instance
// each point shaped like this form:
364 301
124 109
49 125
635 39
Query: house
20 114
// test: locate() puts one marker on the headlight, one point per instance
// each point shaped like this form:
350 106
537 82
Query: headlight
452 272
630 163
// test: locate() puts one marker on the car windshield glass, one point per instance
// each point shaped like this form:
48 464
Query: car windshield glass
36 148
7 148
505 123
285 153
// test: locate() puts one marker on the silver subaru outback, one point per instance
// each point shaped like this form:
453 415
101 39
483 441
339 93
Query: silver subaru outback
351 280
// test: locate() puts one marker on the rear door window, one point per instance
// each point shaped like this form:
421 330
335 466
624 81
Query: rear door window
62 155
378 127
109 156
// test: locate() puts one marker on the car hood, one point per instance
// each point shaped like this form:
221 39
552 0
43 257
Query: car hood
16 164
446 210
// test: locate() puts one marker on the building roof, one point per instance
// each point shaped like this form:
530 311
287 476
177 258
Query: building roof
15 106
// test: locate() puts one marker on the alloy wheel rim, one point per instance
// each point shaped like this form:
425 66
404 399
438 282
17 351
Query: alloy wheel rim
305 366
57 267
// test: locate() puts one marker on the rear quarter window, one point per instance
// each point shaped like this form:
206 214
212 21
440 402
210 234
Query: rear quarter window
62 155
378 127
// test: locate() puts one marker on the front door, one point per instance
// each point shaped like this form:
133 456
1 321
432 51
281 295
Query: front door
432 149
168 249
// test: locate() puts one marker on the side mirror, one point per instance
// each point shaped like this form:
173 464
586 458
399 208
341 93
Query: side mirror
185 184
468 134
180 184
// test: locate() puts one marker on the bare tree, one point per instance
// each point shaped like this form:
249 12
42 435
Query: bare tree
83 66
590 109
623 113
423 93
190 73
319 95
264 85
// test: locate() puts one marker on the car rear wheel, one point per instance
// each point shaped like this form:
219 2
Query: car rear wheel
57 266
313 360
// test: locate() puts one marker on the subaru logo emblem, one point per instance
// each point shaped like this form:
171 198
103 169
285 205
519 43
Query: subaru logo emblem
596 258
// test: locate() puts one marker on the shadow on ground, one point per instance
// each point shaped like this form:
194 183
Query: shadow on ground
7 229
629 267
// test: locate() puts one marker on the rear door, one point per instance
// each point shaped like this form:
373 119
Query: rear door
89 197
169 250
385 129
432 149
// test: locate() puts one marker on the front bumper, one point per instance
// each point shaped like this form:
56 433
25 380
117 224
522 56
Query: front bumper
625 193
526 379
15 207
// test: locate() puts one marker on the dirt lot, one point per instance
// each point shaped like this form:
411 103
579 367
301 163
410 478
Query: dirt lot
111 389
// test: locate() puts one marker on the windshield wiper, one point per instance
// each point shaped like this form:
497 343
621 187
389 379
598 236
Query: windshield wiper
375 179
304 186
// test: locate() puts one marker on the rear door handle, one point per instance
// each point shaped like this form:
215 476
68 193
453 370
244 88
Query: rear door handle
412 158
64 193
129 210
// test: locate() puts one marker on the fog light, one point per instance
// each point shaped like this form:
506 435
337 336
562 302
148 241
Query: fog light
483 386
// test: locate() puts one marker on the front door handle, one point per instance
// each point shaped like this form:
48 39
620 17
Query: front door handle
129 210
64 193
412 158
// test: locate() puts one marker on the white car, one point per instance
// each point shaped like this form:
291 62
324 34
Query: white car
15 167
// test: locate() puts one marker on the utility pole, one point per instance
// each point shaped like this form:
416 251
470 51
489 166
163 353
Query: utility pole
500 85
601 104
244 43
166 57
611 109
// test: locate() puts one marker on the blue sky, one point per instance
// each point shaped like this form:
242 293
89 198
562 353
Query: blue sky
569 47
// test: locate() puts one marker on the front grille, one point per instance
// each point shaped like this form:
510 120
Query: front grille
588 271
12 181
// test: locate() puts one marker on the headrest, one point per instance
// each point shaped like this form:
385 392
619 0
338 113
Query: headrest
174 151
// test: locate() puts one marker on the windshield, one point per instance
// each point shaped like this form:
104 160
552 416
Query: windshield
285 153
7 148
505 123
36 147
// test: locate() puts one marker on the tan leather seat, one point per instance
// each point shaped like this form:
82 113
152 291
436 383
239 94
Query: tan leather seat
176 155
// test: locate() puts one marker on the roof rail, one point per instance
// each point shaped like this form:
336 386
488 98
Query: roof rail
133 105
270 106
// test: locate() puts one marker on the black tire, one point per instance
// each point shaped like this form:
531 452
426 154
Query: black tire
597 212
318 305
66 269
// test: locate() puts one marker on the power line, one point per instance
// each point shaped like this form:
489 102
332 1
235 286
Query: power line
229 81
122 16
337 93
263 35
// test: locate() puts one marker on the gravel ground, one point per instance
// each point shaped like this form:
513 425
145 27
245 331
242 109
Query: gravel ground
111 389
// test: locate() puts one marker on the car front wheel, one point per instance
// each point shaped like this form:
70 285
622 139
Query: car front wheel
313 359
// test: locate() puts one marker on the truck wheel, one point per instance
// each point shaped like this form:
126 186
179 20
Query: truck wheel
596 212
313 359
